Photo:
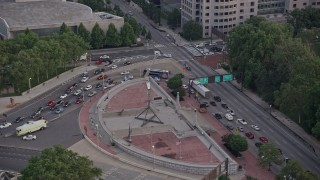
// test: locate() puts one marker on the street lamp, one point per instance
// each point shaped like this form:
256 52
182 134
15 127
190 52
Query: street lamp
29 85
270 108
153 156
196 117
97 134
102 81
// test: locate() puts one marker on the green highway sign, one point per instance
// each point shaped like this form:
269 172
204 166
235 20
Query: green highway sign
217 79
227 77
203 80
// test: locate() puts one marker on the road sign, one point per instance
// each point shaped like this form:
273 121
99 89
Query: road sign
227 77
203 80
217 78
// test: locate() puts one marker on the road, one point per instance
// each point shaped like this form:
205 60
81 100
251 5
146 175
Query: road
291 146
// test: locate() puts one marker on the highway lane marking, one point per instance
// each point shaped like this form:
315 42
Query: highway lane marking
14 158
18 154
140 176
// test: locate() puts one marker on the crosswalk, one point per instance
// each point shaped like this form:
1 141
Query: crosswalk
164 45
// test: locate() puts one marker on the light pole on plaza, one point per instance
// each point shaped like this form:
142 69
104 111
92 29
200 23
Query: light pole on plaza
29 85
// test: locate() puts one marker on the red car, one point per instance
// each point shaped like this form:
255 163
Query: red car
263 139
78 101
98 62
50 103
249 135
102 77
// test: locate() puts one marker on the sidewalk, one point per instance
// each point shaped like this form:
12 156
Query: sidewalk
42 88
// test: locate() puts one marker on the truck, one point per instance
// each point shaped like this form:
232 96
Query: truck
201 89
31 126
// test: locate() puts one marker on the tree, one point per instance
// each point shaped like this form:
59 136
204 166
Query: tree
316 130
27 39
59 163
304 18
95 5
268 153
112 37
64 28
97 37
148 36
293 170
192 30
174 18
144 31
223 177
135 26
175 82
84 33
127 35
238 143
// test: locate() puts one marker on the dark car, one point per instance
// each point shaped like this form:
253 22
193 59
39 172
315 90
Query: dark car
258 144
218 116
19 119
59 102
80 96
99 85
229 127
213 103
66 104
98 71
127 63
37 113
224 105
204 105
217 98
249 135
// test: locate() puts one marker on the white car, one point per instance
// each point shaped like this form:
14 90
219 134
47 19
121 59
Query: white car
77 92
242 121
228 116
84 79
125 73
92 93
255 127
5 125
63 96
29 137
104 57
114 67
108 86
184 86
88 88
167 55
231 112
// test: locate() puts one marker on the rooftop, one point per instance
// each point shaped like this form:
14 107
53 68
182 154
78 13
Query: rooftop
41 13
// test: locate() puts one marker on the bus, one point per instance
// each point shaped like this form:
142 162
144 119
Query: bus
31 126
164 74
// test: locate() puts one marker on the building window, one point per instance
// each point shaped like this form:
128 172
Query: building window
207 27
226 26
226 13
294 5
304 4
207 7
217 0
241 10
225 20
207 34
216 14
252 10
220 20
216 20
220 27
241 4
221 14
215 27
207 21
313 3
207 14
241 17
251 16
252 3
208 1
216 7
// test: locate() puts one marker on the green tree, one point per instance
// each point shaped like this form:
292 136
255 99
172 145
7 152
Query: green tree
112 37
95 5
64 28
238 143
97 37
135 26
144 31
174 18
148 36
268 153
311 37
127 35
84 33
192 30
304 18
27 39
223 177
316 130
60 163
175 82
293 170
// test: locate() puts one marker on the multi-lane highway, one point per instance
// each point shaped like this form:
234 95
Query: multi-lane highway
291 146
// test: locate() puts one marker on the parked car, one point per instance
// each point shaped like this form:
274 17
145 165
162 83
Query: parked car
37 112
224 105
114 66
66 104
88 88
19 119
125 72
204 104
105 57
108 86
79 100
102 77
92 93
85 74
258 144
84 79
167 55
228 116
50 103
231 112
99 85
5 125
77 92
230 127
217 115
255 127
127 63
242 121
192 91
213 103
59 110
217 98
63 96
98 71
249 135
29 137
184 86
240 129
263 139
